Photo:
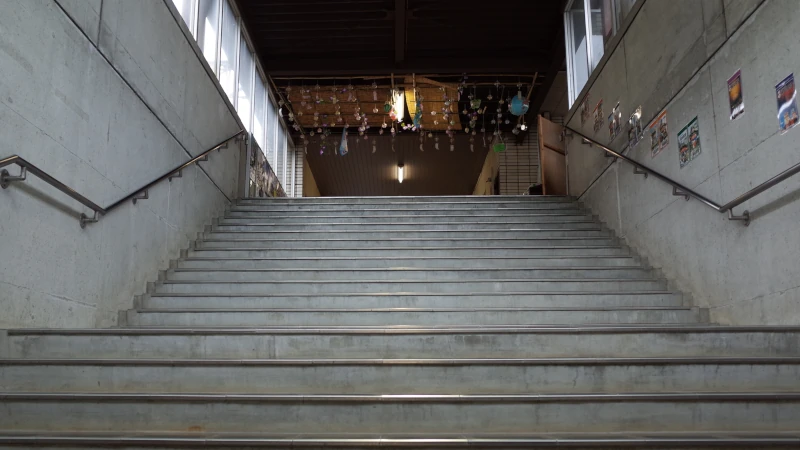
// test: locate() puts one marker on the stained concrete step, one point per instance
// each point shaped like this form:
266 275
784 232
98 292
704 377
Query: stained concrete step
560 217
433 252
279 235
229 225
409 274
488 200
499 285
504 413
416 208
404 342
333 216
476 440
354 243
402 376
390 262
412 300
221 317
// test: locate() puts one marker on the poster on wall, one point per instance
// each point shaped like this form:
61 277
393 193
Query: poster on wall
635 132
585 109
689 143
614 123
598 116
659 134
735 95
787 104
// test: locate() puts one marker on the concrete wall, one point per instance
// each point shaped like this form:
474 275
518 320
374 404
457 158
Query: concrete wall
678 55
105 95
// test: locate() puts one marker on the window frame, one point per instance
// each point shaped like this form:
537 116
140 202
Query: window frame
592 60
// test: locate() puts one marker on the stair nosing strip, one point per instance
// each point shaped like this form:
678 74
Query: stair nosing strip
409 398
388 330
620 361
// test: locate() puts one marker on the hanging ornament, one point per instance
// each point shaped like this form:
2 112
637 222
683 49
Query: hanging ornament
430 135
465 112
466 130
436 143
374 146
380 131
519 105
489 97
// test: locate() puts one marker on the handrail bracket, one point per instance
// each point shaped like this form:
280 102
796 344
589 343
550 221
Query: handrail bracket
179 174
745 217
85 219
677 192
640 172
142 196
6 178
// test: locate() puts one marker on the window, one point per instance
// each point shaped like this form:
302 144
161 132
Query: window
272 134
244 102
208 30
227 55
186 8
589 26
259 112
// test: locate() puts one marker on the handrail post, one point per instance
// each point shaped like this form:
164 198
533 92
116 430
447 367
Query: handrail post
745 217
6 178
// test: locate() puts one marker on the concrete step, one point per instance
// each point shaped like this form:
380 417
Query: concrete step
413 208
498 285
482 214
402 376
529 219
504 413
487 200
421 274
421 252
413 300
229 441
228 225
389 262
410 316
279 235
404 342
366 241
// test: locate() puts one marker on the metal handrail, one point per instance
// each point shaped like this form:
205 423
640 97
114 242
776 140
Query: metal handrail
681 190
139 194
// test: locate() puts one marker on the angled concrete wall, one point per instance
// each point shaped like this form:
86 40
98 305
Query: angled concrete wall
105 95
678 55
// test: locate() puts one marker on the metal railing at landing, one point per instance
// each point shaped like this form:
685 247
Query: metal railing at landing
680 190
27 167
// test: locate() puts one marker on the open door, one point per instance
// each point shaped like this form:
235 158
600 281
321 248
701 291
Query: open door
552 158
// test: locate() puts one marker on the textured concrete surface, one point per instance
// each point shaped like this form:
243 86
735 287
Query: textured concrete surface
687 49
66 109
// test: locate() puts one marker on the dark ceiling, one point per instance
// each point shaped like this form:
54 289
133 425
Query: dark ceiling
427 44
360 37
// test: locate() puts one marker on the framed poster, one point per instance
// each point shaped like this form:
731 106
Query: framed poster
689 143
787 104
735 95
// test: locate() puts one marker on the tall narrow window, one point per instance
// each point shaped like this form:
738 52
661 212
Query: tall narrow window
577 48
244 103
259 101
227 54
208 31
602 23
186 8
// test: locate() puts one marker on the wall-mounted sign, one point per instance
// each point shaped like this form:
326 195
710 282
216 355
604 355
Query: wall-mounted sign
689 143
614 123
598 116
635 132
787 104
735 95
659 135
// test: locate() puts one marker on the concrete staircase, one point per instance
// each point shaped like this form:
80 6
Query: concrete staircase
459 322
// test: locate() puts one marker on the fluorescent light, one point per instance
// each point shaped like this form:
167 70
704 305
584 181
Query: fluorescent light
400 173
